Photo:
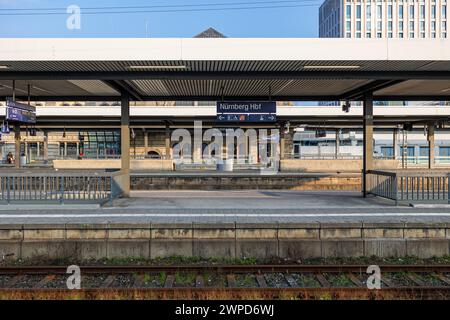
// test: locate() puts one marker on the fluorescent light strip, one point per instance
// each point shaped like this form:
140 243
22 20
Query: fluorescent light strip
157 67
3 67
331 67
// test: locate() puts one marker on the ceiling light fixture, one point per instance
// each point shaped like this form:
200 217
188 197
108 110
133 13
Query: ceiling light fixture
331 67
157 67
4 67
445 90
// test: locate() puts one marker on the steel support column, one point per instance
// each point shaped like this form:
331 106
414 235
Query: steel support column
395 143
431 145
167 142
17 146
125 143
338 144
368 139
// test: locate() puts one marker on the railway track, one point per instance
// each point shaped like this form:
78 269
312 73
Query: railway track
227 282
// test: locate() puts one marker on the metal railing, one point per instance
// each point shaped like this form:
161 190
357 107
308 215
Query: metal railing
59 187
416 186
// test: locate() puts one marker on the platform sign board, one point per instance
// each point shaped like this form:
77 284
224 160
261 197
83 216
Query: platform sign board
246 111
19 112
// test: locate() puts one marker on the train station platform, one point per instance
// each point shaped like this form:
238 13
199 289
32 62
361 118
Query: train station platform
262 224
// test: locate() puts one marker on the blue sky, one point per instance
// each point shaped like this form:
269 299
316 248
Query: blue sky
301 21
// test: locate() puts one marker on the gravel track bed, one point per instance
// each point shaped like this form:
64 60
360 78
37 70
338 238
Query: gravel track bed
306 280
246 281
4 281
276 280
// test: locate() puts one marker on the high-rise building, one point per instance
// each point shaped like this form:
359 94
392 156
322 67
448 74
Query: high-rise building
384 19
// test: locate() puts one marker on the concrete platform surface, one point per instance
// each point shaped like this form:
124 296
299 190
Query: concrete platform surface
230 206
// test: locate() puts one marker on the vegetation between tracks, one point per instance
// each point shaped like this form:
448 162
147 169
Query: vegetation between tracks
177 260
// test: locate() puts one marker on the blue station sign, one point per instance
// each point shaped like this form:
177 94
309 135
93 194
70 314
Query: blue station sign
20 112
246 111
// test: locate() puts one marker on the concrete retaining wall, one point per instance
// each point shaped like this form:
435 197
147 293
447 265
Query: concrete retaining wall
230 240
340 165
285 182
148 165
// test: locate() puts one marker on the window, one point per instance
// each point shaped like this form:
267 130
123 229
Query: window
379 12
390 35
433 11
379 35
411 25
444 12
368 11
348 25
400 11
411 11
387 152
368 35
424 151
358 25
379 25
444 26
409 151
389 25
348 35
358 11
433 34
433 25
444 151
390 11
358 34
400 26
368 26
348 11
400 34
422 34
422 25
411 34
422 11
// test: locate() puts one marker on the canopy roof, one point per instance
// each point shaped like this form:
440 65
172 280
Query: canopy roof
226 68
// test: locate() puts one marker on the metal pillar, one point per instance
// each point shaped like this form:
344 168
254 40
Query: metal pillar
17 146
167 139
395 143
338 143
368 139
46 145
145 142
125 144
431 145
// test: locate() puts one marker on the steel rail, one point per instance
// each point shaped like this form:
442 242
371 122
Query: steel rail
221 269
334 293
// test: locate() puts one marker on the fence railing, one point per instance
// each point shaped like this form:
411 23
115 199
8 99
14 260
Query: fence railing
59 187
417 186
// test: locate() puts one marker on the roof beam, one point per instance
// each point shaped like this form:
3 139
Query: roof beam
229 98
376 85
120 86
218 75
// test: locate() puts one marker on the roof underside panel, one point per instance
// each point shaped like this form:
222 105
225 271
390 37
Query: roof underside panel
58 88
186 88
418 87
225 65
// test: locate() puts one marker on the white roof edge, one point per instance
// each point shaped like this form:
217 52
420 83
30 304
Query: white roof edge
177 49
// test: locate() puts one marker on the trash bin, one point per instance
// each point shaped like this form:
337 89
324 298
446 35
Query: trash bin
228 165
23 160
